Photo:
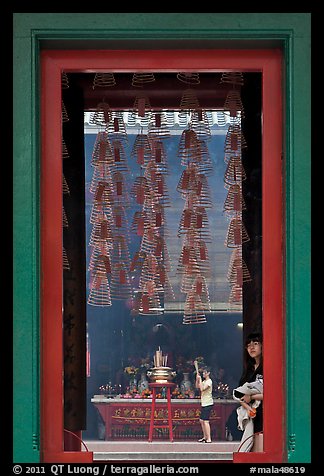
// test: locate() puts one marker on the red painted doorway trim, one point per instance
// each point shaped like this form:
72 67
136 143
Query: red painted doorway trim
269 62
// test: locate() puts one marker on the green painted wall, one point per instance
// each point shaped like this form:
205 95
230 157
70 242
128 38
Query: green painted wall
168 30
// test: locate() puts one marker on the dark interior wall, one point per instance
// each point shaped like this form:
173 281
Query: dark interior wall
74 279
252 192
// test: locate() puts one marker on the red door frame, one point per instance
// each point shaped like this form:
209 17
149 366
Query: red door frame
269 62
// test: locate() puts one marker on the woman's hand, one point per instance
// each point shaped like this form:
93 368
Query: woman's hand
246 398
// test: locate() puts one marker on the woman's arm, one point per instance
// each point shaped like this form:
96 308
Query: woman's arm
247 398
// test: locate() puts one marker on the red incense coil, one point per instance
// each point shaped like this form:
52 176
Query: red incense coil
238 272
234 201
116 128
158 128
234 173
102 115
235 78
64 218
65 116
120 285
65 186
99 291
140 79
234 140
101 173
200 124
142 106
189 78
118 156
194 312
65 152
236 234
66 264
140 189
103 80
189 102
120 251
102 153
100 249
141 150
233 103
101 232
64 80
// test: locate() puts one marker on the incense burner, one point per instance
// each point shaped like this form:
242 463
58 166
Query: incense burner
161 374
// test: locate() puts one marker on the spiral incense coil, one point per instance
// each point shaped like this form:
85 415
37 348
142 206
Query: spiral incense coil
221 119
141 221
120 251
65 187
236 234
120 221
101 174
234 173
234 202
141 150
200 288
65 152
137 262
116 128
194 310
66 264
233 104
102 115
197 194
101 232
195 219
100 263
189 102
65 116
64 218
189 147
149 273
236 295
234 78
120 190
64 80
188 263
238 272
104 193
120 285
158 155
140 79
234 140
200 124
103 80
118 160
101 249
99 211
189 78
102 153
140 189
99 291
158 128
149 303
142 107
170 118
203 160
165 282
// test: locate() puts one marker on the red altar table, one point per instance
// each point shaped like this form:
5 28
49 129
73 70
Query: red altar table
130 418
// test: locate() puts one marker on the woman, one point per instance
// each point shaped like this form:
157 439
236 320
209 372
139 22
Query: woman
206 388
253 370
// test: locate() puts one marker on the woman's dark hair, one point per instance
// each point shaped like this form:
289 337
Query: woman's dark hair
248 361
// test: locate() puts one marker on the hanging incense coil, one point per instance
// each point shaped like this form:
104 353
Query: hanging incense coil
116 128
194 312
140 79
102 153
203 160
120 284
142 107
65 186
101 232
189 102
101 173
119 158
141 150
200 124
99 291
140 189
64 80
164 280
234 173
66 264
101 210
100 261
103 80
65 153
234 140
188 263
236 295
221 119
189 147
149 304
140 222
236 234
234 202
159 158
149 273
65 116
120 251
189 78
233 104
120 189
65 220
137 261
158 128
238 272
104 193
195 219
99 250
102 115
234 78
200 288
170 118
120 221
194 189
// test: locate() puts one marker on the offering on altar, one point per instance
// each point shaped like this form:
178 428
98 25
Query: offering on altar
160 373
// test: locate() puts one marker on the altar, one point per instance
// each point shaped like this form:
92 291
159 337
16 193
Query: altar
129 418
